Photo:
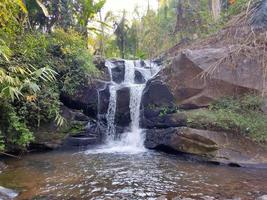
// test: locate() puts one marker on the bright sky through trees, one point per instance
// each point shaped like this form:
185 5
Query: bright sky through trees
129 5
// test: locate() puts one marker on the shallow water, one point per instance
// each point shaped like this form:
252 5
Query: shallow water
144 175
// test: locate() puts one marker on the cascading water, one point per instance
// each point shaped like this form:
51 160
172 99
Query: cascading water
132 140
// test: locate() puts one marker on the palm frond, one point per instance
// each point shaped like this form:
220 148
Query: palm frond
12 92
45 73
59 119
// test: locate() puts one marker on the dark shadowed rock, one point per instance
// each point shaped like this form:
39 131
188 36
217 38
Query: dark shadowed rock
159 120
91 134
84 99
122 117
157 94
157 102
222 147
118 71
81 140
104 96
139 78
99 62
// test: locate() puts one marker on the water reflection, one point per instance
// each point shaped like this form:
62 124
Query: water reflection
146 175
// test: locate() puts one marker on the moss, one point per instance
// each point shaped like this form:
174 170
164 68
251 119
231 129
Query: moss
75 128
241 115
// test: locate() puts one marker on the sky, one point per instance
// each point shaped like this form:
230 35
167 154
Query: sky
117 6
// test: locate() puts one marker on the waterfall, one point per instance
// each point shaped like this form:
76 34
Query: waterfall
111 130
132 139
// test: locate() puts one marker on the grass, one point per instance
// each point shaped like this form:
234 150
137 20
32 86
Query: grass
241 115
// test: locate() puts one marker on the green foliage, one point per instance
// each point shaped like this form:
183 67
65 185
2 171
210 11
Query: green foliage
36 66
86 10
75 128
242 115
43 108
236 8
175 22
76 67
166 110
15 133
33 75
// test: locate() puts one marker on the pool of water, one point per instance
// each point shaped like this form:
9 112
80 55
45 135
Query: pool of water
143 175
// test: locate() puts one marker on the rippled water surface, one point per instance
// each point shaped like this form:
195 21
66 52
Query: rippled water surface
147 175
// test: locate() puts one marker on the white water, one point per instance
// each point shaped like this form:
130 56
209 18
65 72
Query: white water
131 141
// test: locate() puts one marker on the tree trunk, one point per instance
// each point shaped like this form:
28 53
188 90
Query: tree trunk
102 45
216 9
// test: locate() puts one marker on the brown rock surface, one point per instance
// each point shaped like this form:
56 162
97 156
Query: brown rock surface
222 147
191 86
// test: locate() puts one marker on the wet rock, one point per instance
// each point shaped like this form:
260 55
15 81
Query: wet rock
104 96
263 197
227 148
192 88
118 71
139 78
50 136
123 117
81 140
160 120
75 115
92 134
7 194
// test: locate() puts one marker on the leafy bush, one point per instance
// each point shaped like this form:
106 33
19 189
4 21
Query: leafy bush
76 67
32 76
14 132
241 115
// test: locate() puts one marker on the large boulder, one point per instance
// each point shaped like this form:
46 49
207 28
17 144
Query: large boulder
77 126
85 99
157 101
157 94
222 147
198 77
